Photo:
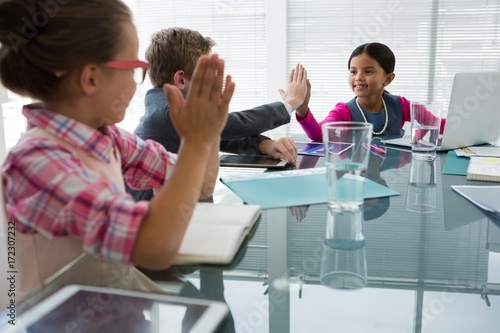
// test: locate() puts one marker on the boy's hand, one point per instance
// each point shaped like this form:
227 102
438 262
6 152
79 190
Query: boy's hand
283 148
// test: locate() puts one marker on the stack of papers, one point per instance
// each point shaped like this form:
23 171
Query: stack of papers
457 161
490 151
485 197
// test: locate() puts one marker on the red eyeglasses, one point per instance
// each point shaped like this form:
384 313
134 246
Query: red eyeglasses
139 75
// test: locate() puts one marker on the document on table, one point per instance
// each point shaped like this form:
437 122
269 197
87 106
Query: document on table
489 151
485 197
484 168
292 188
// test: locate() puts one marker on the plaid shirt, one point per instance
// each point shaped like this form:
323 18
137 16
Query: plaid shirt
48 190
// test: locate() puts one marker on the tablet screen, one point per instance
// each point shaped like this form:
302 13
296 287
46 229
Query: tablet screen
103 312
257 161
310 148
318 149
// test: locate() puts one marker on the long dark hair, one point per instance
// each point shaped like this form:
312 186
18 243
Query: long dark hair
378 51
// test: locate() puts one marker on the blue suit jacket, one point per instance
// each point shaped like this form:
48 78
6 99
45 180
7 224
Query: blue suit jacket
241 134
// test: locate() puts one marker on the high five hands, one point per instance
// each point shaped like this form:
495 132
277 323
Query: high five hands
296 88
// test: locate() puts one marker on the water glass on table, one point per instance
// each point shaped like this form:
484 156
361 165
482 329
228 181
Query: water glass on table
425 123
347 151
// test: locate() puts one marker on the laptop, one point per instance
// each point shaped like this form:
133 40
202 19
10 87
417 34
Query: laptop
473 116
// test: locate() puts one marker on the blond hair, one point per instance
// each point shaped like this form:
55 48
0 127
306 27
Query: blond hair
175 49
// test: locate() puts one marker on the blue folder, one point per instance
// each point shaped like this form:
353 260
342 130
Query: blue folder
455 165
292 188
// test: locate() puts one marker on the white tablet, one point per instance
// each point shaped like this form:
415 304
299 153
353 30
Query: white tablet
77 308
251 161
310 148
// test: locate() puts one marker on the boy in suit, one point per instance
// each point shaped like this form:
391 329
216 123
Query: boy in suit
172 56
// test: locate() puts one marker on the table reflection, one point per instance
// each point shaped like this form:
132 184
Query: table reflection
444 251
422 260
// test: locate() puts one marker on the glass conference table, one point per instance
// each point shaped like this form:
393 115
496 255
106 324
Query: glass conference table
427 272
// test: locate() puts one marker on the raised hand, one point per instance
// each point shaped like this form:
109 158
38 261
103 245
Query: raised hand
297 87
304 108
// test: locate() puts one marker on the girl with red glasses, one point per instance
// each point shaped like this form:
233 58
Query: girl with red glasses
63 182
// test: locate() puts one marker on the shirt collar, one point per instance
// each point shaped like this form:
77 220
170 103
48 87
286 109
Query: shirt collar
97 143
157 92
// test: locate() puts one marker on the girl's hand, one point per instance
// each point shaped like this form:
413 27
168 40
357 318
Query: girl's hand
297 87
304 108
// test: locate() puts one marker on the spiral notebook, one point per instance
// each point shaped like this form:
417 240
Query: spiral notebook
484 168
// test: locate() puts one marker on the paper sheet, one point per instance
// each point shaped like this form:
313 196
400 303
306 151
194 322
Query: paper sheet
485 197
491 151
292 188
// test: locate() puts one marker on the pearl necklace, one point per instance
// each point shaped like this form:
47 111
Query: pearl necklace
386 116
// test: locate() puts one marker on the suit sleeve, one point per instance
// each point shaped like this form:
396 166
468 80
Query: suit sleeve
252 122
244 146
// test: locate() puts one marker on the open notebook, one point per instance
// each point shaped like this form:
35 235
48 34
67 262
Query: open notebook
216 232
